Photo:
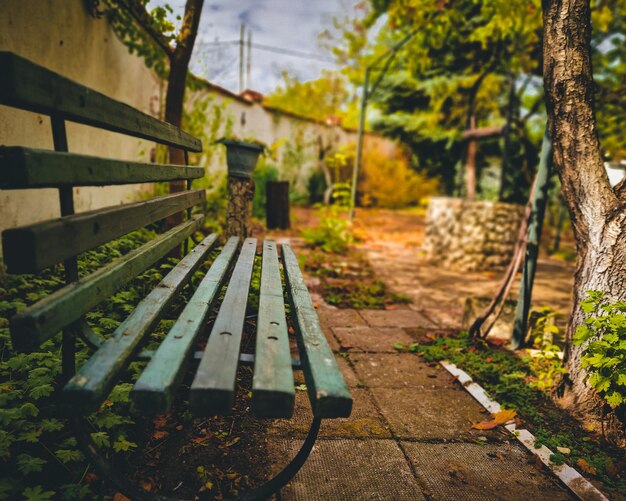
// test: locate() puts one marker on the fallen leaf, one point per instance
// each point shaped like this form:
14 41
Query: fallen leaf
431 335
230 443
586 467
489 360
291 331
158 435
564 450
496 341
499 418
208 485
159 422
146 485
118 496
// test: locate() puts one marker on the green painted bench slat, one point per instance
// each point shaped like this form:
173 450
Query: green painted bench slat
29 249
273 393
154 391
22 168
32 87
327 390
213 388
39 322
94 381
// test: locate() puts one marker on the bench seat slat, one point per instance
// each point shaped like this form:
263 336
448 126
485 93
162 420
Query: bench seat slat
29 249
153 392
327 390
273 393
22 168
34 88
41 321
213 388
95 380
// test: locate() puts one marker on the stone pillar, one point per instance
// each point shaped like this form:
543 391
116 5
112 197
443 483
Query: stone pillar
240 195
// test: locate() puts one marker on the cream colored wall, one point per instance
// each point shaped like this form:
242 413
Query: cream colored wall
62 36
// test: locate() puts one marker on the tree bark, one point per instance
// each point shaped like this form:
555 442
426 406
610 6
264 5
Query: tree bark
596 210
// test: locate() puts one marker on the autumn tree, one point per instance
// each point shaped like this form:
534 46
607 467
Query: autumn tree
597 211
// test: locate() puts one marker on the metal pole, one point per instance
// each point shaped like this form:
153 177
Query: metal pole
535 226
241 35
359 145
249 60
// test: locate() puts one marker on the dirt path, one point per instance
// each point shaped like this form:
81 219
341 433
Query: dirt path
410 435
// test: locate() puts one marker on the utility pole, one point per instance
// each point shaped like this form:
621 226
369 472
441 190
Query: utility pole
249 60
241 35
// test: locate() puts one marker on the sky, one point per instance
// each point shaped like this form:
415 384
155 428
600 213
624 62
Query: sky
285 24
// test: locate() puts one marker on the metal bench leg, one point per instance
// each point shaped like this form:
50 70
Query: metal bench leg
288 472
136 493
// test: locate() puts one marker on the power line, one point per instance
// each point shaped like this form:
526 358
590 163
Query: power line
277 50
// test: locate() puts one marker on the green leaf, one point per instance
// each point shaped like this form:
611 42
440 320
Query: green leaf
41 391
614 399
398 346
29 464
37 494
101 439
69 455
121 444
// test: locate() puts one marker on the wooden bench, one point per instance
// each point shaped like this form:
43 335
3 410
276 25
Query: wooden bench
30 249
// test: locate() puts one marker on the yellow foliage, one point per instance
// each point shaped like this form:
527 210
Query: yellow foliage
388 181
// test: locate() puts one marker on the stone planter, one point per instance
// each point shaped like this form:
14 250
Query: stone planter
241 157
471 235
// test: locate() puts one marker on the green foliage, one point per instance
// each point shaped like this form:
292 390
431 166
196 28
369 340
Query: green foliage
332 234
603 341
263 173
36 445
317 99
546 363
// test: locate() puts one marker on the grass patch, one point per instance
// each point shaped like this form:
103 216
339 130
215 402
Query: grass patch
511 381
348 281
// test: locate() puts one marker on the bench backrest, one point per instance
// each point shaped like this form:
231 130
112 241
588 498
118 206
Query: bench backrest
30 249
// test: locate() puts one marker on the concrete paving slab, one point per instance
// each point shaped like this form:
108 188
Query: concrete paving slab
395 318
399 370
340 317
369 339
473 472
350 470
433 414
365 421
347 372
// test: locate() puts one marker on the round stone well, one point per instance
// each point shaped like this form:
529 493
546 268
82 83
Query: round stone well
471 235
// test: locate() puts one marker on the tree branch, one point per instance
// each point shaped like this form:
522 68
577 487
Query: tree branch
142 17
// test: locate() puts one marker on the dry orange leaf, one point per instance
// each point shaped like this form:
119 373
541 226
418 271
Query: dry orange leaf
586 467
158 435
499 418
118 496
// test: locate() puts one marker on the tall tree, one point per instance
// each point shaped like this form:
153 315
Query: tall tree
597 211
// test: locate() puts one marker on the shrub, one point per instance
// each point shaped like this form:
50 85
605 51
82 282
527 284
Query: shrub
333 232
603 338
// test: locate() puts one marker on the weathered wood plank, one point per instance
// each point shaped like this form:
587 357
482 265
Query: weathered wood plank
22 168
153 392
327 390
97 377
29 249
213 388
34 88
273 393
33 325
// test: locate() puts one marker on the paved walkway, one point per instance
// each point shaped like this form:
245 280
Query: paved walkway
409 436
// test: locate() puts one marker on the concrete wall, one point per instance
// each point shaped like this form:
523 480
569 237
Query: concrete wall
63 36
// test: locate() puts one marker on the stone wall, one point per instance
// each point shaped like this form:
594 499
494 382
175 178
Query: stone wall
471 235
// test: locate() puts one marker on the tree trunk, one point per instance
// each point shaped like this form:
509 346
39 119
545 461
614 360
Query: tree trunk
597 212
